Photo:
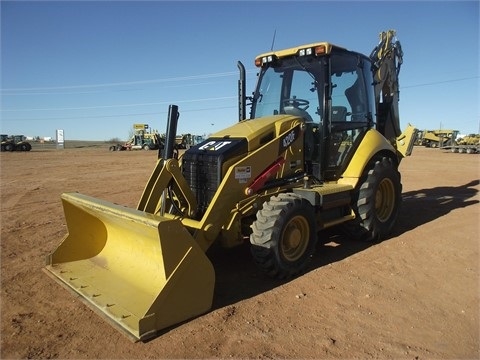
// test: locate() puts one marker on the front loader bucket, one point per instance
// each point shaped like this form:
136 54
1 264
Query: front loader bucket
143 272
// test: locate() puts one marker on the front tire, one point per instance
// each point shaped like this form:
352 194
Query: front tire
377 201
284 236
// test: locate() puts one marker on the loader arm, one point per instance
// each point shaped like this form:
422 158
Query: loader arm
166 173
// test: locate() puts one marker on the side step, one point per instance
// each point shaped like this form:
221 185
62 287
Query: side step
327 195
334 201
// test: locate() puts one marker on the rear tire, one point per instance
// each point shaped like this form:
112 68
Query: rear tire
376 201
284 236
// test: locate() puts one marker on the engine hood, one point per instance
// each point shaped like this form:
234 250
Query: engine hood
260 131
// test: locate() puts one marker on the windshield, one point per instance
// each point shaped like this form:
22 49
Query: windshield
294 87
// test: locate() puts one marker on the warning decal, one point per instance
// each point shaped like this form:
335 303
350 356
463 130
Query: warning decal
243 172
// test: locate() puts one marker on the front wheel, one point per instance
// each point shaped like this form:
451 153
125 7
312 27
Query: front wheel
376 201
284 235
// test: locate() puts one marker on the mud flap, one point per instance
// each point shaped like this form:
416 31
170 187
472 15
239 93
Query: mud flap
143 272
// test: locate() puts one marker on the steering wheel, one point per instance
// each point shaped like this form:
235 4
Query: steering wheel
301 104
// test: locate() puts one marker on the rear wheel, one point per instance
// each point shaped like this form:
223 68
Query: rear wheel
376 201
284 235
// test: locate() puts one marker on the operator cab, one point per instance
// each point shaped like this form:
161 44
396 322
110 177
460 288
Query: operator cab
331 89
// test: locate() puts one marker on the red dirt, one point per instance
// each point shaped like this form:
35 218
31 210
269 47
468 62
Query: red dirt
414 295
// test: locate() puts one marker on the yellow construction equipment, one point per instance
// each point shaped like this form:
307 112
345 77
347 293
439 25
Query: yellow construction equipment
436 138
141 139
321 148
469 144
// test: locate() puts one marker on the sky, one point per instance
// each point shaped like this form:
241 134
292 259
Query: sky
95 68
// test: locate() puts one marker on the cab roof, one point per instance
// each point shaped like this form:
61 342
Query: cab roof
295 50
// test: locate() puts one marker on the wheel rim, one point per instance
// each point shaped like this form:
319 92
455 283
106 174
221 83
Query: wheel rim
385 200
295 238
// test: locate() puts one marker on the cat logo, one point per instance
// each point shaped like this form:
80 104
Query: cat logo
214 145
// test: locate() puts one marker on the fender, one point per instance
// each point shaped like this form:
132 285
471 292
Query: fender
372 144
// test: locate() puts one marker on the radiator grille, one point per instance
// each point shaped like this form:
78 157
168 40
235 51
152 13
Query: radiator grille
202 167
203 175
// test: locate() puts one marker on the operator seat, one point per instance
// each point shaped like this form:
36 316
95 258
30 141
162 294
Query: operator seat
292 110
339 114
337 150
356 98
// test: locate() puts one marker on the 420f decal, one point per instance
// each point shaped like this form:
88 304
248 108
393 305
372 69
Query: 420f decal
289 138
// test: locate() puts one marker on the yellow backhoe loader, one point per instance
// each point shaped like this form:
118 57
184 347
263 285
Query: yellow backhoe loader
320 148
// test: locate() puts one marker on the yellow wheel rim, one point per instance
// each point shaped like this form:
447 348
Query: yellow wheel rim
295 238
385 200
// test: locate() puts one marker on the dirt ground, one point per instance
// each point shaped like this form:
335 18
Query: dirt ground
414 295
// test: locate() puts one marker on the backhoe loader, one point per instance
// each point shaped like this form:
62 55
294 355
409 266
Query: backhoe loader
320 148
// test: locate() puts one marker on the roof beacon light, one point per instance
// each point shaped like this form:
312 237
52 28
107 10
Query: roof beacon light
320 50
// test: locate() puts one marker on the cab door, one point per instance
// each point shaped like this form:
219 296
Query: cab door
350 112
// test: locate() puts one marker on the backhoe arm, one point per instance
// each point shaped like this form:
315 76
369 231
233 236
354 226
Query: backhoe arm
387 57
